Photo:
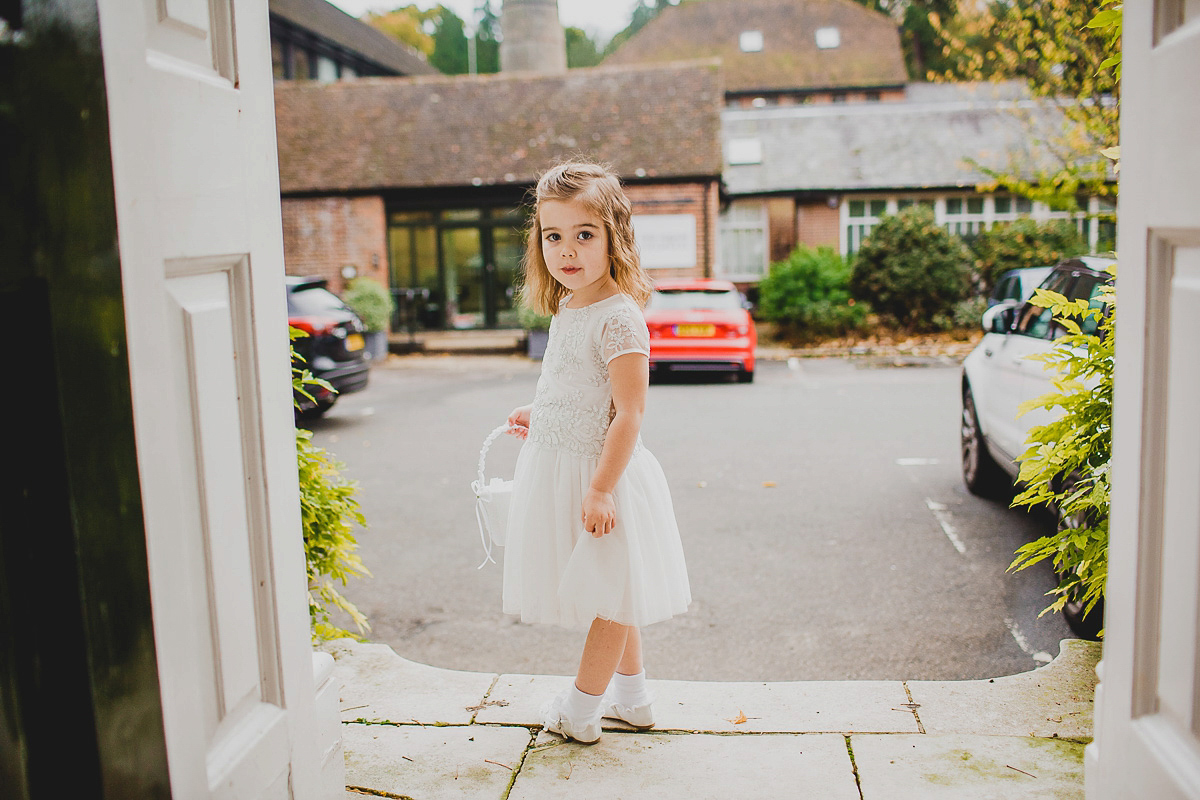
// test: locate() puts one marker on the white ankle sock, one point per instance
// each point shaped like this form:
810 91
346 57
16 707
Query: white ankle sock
582 707
630 690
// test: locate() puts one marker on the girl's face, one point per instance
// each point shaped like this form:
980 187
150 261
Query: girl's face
575 247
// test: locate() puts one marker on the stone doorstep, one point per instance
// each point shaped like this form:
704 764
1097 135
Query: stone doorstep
447 733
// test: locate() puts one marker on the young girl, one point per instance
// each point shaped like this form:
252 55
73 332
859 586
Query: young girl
592 539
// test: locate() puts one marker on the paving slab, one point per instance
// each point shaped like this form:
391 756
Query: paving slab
692 766
432 763
1052 701
963 767
710 707
378 685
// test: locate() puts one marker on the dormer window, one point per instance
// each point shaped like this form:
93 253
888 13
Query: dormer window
828 38
751 41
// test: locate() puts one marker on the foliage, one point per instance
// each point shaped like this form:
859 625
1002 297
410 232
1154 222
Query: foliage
531 320
409 24
808 295
581 50
922 42
328 513
371 302
440 34
1066 465
1023 243
643 12
1062 49
910 269
964 315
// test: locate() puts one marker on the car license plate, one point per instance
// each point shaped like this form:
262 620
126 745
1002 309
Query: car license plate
695 330
354 342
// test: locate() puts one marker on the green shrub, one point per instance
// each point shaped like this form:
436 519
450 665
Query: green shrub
965 314
1066 463
1023 243
372 302
328 513
910 270
808 295
531 320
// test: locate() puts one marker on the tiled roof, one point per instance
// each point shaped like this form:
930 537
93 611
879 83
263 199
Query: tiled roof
659 121
330 22
922 142
868 52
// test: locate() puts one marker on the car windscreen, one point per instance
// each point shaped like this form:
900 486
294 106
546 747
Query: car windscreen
314 300
694 300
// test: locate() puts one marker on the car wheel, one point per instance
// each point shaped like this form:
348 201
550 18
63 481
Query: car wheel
981 473
1085 626
315 412
746 376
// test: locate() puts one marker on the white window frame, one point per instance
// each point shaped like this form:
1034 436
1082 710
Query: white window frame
748 223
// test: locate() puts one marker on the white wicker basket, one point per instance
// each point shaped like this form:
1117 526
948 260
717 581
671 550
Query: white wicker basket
491 500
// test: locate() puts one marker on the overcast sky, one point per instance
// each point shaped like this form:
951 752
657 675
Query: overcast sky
600 18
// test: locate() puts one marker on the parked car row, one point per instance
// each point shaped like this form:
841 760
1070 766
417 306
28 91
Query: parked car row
999 376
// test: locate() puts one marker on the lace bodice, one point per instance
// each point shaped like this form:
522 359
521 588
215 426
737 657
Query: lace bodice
573 406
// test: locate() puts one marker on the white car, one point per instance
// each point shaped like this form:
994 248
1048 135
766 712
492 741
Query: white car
999 375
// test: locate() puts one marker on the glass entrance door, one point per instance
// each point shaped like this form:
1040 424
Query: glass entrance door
456 269
464 277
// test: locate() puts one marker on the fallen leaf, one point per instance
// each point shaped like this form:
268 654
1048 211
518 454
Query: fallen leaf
739 719
768 484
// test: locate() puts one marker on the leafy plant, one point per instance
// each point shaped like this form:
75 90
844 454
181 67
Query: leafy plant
1023 243
531 320
1067 463
371 302
910 269
808 295
328 513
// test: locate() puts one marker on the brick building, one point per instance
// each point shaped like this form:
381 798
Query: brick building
422 183
822 133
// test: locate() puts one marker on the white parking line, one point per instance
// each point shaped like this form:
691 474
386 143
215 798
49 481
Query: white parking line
916 462
1040 656
939 512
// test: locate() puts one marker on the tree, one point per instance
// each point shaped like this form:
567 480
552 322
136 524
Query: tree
1062 50
449 43
921 41
581 50
408 24
487 40
642 14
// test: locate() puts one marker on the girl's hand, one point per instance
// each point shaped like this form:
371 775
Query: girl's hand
599 512
519 419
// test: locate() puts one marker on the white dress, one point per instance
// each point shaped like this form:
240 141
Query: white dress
554 572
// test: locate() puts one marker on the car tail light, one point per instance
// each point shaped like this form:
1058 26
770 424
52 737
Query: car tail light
314 326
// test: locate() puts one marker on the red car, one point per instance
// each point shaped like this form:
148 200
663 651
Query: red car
700 325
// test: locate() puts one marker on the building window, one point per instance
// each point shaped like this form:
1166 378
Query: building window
744 151
828 38
751 41
743 240
348 72
963 216
327 69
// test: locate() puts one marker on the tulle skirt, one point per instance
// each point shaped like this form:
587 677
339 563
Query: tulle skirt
556 573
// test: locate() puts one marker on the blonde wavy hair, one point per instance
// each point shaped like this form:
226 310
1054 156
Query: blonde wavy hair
599 189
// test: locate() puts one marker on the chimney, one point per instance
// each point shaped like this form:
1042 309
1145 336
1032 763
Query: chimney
533 37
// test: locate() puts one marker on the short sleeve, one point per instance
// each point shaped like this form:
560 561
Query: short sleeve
624 331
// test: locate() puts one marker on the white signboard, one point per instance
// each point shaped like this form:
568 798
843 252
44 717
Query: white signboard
666 240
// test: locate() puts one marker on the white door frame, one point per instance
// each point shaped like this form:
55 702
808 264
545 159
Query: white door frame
1148 702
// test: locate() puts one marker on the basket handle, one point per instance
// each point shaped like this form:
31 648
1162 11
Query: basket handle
484 491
